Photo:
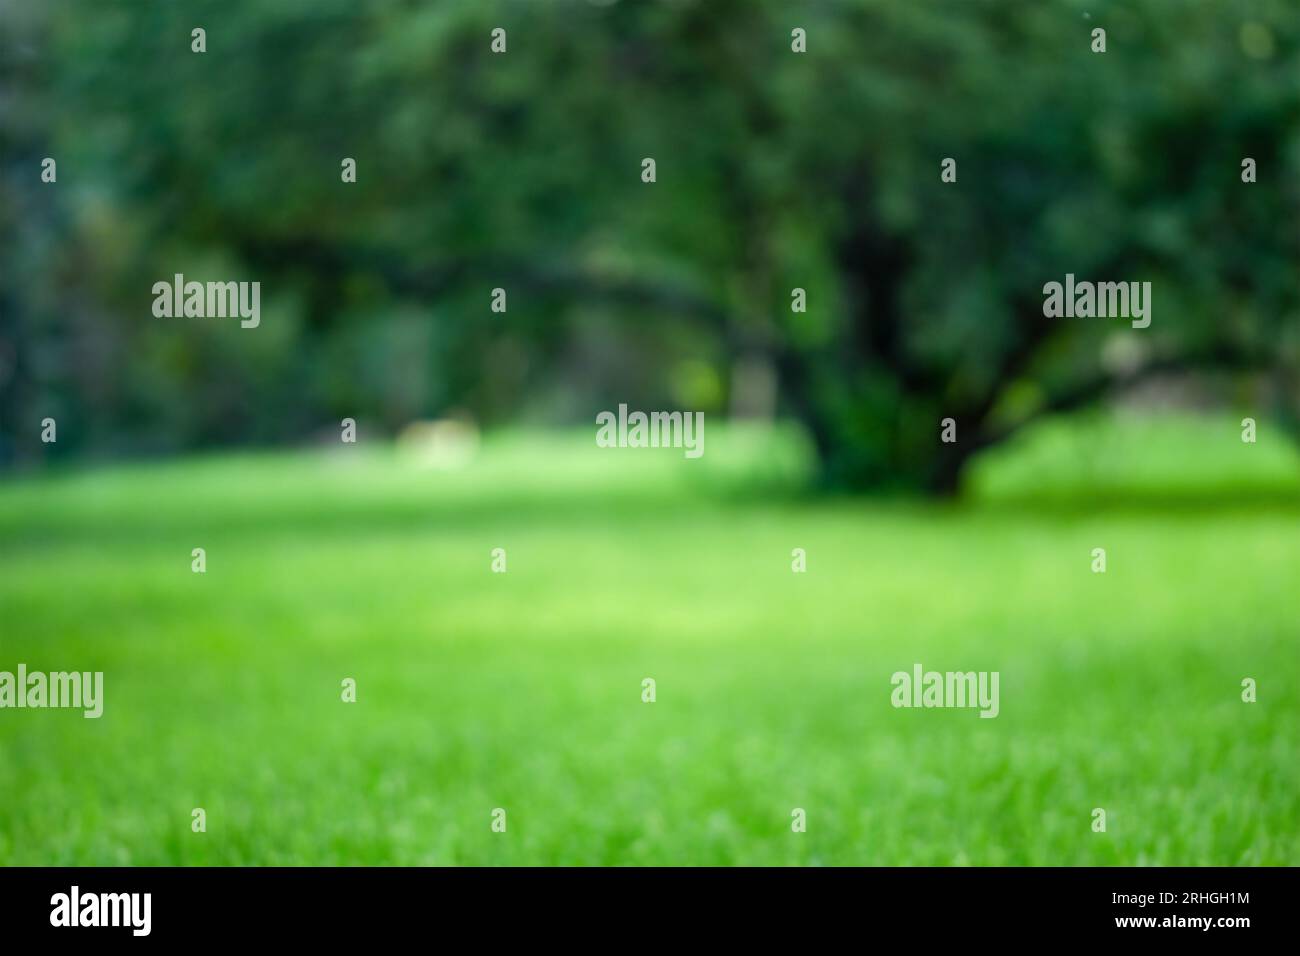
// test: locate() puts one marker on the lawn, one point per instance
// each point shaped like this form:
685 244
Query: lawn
523 691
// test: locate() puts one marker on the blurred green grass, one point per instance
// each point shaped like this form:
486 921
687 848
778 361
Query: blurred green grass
522 691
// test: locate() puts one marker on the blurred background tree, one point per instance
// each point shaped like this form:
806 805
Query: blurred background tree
522 171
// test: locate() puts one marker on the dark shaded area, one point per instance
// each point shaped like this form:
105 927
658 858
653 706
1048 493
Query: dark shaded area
522 171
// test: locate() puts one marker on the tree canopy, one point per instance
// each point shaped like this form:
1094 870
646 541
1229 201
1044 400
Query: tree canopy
775 170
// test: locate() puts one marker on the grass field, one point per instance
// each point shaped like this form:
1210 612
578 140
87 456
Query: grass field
523 690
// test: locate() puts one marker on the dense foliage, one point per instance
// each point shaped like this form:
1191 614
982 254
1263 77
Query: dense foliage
521 170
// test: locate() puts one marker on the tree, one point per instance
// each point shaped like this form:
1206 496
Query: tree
775 170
